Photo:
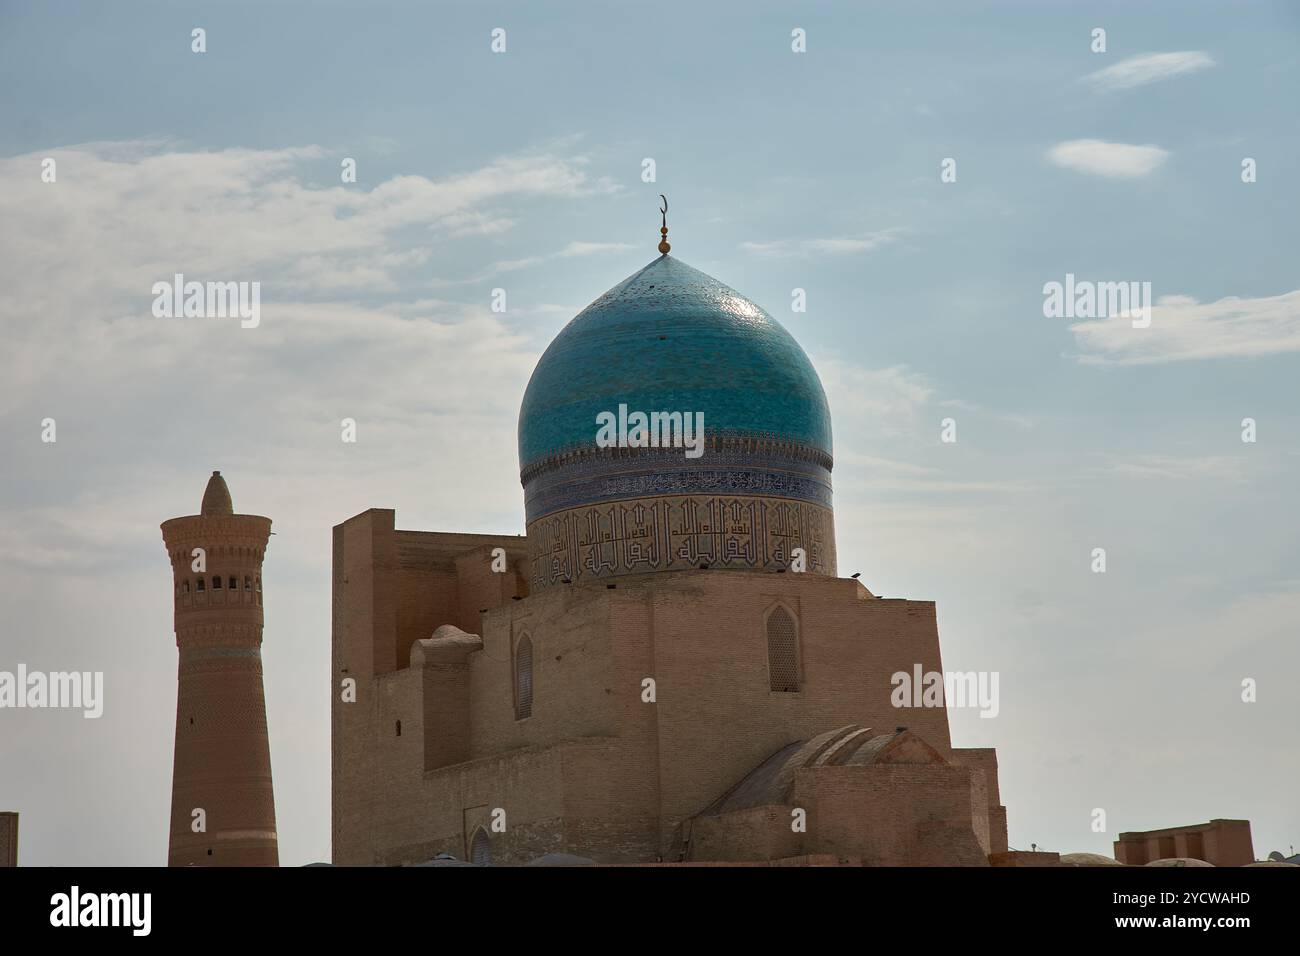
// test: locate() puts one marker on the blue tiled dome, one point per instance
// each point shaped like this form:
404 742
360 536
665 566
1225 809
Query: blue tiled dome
670 338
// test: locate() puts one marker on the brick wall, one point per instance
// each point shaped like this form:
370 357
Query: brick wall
890 814
595 769
1221 842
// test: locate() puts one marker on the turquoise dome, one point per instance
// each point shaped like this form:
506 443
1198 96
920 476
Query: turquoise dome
670 338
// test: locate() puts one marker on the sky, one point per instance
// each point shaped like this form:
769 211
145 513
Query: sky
821 170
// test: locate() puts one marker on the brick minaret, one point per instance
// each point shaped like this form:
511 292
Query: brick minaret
223 762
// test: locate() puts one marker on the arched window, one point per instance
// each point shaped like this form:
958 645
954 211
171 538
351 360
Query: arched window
782 652
216 582
248 583
480 851
399 728
524 678
200 586
234 584
185 587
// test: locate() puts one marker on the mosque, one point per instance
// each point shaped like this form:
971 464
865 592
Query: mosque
666 667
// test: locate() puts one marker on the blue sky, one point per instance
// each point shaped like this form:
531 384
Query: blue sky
523 171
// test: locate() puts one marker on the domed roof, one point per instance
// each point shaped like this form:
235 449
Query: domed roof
772 781
670 338
1088 859
216 497
1179 861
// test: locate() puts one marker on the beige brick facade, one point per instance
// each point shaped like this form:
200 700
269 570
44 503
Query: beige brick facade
1220 842
432 748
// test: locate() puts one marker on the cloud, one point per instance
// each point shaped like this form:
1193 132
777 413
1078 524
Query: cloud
573 250
1213 467
1113 160
123 215
1149 68
145 407
83 252
886 400
845 245
1019 419
1183 329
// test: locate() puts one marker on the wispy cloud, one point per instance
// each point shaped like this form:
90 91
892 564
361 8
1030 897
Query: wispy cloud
834 246
1183 329
888 399
252 213
571 251
1018 419
83 253
1149 68
1097 157
1176 468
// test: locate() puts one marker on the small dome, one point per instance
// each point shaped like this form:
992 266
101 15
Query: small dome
1179 861
1088 859
216 497
451 634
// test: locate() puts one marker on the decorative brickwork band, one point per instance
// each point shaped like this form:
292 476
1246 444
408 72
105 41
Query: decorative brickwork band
678 533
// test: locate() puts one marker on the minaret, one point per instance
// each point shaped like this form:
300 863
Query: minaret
223 809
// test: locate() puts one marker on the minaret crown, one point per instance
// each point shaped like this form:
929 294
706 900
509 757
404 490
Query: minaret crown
216 497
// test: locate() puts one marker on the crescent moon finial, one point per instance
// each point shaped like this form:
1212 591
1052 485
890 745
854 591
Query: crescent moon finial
663 232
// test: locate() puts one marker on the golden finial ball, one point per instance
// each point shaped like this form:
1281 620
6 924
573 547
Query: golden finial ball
664 247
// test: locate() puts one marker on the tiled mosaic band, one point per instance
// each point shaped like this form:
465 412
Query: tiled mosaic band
669 533
743 465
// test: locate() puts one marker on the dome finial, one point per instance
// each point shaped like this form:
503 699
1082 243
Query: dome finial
663 241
